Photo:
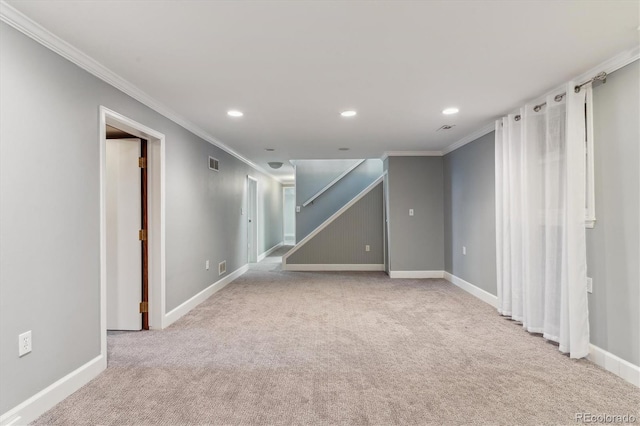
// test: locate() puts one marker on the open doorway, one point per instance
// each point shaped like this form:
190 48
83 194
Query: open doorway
131 202
289 215
252 219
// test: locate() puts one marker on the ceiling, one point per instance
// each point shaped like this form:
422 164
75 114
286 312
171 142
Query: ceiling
292 67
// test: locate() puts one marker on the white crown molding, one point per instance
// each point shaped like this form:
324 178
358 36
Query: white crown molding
610 65
30 28
488 128
410 154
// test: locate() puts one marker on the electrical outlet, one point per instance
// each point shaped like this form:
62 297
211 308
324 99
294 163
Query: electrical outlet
589 285
24 343
410 212
464 250
297 209
367 248
206 265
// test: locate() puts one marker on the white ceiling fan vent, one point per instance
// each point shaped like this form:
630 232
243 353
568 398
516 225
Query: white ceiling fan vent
213 164
222 267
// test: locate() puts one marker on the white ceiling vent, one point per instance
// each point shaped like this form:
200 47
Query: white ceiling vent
222 267
213 163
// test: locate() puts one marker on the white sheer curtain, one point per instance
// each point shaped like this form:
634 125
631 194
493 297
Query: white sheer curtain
540 219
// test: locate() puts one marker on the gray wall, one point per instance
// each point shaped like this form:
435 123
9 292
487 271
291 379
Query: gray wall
613 254
344 240
416 243
313 175
469 213
49 212
313 215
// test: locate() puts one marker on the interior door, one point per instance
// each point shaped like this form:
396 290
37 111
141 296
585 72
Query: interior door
124 251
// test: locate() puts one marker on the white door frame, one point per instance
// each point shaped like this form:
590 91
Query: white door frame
284 239
253 253
386 232
156 216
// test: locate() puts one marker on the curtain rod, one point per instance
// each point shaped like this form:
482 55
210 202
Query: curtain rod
602 76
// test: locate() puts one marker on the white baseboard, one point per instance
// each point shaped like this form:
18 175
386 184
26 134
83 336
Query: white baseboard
29 410
481 294
333 267
615 364
178 312
271 250
416 274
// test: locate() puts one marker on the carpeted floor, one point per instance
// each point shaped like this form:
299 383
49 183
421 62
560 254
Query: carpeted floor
304 348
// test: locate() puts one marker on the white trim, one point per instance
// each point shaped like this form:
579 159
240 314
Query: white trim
416 274
157 273
29 410
331 219
184 308
610 65
334 267
614 364
333 182
271 250
486 129
481 294
411 154
49 40
249 224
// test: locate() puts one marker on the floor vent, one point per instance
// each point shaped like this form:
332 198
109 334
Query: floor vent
213 164
222 267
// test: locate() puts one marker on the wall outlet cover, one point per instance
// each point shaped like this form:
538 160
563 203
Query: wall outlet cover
589 285
24 343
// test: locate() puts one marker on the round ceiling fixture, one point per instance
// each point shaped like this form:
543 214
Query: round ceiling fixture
270 149
343 149
275 164
234 113
451 110
349 113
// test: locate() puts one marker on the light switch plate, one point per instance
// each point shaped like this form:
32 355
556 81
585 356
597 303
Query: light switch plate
410 212
589 285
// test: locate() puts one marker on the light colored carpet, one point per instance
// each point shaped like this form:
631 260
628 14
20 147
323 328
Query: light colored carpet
301 348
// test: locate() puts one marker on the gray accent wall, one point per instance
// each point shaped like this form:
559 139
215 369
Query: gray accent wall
50 212
470 213
416 243
613 252
313 215
343 241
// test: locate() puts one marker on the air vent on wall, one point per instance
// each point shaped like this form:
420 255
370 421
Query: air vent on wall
446 127
213 164
222 267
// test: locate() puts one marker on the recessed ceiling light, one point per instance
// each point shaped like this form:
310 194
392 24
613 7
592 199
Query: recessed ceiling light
234 113
349 113
269 149
450 111
343 149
